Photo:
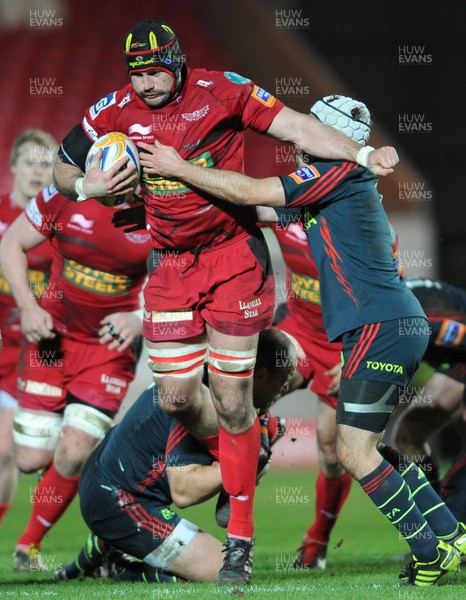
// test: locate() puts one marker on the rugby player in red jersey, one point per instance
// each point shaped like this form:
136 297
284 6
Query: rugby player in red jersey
31 160
211 287
80 347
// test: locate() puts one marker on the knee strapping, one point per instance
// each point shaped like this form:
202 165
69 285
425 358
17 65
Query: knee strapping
87 419
232 363
177 362
36 431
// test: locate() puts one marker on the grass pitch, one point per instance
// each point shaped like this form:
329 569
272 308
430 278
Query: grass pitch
364 556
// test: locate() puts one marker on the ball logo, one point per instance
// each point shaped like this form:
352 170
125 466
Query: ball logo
114 145
119 139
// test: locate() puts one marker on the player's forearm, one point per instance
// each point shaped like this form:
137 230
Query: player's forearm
227 185
193 484
14 265
64 177
233 187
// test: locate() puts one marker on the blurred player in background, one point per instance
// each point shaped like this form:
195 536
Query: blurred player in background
150 461
437 403
80 348
367 305
31 160
454 482
212 285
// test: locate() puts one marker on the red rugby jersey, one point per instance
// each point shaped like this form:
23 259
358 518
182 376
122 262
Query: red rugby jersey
205 124
96 269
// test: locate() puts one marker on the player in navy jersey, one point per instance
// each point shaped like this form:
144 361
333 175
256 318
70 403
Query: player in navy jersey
383 329
150 461
438 402
211 287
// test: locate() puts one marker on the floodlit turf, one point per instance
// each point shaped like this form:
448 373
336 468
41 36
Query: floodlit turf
361 558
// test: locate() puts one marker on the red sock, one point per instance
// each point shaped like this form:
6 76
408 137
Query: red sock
331 494
211 443
52 497
239 454
4 506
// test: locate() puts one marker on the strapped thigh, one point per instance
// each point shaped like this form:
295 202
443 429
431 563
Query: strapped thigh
232 363
181 362
36 431
367 404
88 419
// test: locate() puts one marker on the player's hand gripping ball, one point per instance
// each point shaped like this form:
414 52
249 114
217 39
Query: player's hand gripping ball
114 146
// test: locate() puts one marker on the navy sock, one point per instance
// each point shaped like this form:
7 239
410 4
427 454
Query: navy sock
390 493
89 558
433 508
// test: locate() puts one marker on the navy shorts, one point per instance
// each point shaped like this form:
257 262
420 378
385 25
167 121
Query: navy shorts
132 523
379 361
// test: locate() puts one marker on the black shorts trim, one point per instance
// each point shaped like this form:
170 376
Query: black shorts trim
366 404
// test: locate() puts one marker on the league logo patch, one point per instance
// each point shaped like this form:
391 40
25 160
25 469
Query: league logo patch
304 174
263 96
451 334
103 103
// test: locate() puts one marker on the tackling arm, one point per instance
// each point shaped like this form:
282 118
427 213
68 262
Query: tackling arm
227 185
193 484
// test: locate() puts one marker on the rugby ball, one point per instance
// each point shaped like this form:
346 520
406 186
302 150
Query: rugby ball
114 145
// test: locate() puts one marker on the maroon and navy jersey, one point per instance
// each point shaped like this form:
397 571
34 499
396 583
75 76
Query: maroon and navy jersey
96 270
205 123
135 454
39 261
351 241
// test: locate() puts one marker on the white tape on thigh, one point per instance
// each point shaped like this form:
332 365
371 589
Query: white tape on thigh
36 431
233 363
87 419
177 362
169 549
